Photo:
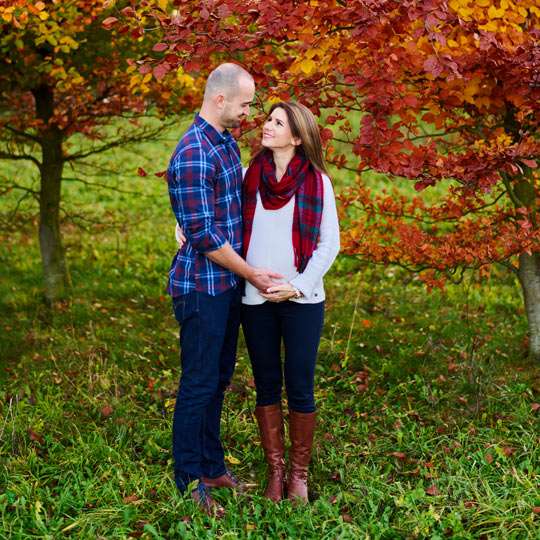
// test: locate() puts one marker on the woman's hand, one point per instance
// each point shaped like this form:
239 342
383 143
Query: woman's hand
180 236
279 293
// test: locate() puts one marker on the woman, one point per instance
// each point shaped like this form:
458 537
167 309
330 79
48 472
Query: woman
290 226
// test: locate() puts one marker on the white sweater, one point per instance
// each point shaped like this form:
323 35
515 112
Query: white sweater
271 247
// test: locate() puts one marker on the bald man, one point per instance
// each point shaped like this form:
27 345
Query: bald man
204 179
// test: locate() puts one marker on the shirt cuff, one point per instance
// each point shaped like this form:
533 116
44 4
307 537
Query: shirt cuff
303 285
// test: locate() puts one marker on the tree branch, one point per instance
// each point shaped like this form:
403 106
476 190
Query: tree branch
18 157
34 138
114 144
105 186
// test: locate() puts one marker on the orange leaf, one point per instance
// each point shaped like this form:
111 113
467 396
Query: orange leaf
433 490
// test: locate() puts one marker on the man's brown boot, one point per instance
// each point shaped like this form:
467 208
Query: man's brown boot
301 433
270 419
227 480
203 499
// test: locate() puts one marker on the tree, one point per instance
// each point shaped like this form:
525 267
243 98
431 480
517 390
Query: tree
61 75
446 92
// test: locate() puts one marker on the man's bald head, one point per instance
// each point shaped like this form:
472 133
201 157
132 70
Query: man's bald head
225 80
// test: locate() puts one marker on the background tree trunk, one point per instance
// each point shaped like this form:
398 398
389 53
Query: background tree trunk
55 274
529 276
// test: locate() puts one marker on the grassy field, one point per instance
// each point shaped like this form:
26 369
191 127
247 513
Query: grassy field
428 407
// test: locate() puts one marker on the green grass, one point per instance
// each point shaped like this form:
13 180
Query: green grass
427 428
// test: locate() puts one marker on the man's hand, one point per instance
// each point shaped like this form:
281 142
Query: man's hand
279 293
228 258
180 236
261 278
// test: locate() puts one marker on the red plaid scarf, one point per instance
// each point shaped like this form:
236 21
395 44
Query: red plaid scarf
301 179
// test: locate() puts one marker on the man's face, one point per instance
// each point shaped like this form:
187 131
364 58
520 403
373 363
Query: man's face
237 106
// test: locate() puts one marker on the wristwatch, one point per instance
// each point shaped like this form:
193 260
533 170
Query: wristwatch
297 292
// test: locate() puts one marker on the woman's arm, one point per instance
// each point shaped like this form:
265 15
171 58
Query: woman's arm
323 255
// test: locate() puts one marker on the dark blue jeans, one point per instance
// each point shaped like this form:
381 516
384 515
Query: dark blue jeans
299 326
208 337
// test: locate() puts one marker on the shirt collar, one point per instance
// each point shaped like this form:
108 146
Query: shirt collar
212 133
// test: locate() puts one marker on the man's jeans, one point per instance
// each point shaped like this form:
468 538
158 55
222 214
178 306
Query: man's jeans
208 340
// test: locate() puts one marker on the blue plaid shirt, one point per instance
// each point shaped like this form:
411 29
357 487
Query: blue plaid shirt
205 182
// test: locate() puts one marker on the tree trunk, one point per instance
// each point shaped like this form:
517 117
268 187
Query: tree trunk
55 274
529 276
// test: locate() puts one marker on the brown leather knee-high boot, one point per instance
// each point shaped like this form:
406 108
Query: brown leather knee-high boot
270 420
301 432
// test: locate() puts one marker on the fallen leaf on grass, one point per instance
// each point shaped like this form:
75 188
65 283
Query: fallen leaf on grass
108 409
489 458
130 498
433 490
34 436
232 460
399 455
346 518
535 406
536 510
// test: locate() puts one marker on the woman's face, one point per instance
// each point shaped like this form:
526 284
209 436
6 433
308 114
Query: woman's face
276 133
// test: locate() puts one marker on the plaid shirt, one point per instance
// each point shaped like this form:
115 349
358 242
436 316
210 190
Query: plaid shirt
205 182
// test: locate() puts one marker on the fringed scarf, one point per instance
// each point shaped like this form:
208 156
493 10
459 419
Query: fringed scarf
301 179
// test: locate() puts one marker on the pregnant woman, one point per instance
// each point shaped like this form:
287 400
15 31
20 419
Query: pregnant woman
290 226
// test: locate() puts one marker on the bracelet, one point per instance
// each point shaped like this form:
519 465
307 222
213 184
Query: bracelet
297 292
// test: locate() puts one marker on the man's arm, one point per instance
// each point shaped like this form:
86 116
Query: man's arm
192 201
259 277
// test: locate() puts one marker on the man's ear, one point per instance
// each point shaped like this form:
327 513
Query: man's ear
220 101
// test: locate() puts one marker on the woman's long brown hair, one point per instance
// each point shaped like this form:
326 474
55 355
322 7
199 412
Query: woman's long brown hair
303 126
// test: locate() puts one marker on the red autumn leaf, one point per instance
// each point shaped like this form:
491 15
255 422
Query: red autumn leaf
535 406
535 509
160 47
346 518
190 66
489 458
159 71
107 410
141 172
109 22
433 490
529 162
400 455
130 498
34 436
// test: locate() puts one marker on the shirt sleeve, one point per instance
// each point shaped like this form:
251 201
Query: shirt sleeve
190 177
327 247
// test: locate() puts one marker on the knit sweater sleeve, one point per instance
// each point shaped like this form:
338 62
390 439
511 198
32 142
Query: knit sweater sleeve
327 247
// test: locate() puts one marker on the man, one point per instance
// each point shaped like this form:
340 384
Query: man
205 178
